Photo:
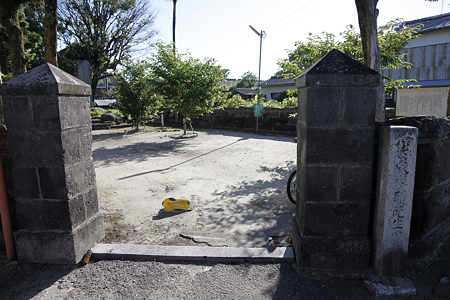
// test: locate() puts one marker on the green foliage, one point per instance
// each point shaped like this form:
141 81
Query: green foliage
236 101
117 112
248 80
187 84
96 113
290 102
392 40
135 92
6 77
287 94
31 23
34 32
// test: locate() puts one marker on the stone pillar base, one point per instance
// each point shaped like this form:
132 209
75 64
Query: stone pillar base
330 253
59 247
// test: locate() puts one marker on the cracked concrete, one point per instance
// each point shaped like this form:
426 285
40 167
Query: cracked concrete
235 182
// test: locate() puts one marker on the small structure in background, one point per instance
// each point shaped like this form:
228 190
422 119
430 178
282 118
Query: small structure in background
273 87
430 67
102 99
245 93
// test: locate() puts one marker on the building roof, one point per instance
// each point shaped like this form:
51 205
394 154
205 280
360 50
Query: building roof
430 23
112 80
101 96
430 83
277 81
245 91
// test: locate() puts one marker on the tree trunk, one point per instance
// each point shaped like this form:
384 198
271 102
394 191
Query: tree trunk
3 59
9 13
50 38
17 50
367 17
174 17
93 88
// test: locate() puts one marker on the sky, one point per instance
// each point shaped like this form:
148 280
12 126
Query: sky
220 29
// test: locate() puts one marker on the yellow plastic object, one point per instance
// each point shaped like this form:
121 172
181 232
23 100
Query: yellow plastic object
172 204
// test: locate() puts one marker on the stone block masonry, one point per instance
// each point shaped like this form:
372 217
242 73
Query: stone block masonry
430 220
274 120
394 199
335 133
49 136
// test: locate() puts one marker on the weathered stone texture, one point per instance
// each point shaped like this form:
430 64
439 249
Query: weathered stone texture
49 136
394 199
430 221
335 137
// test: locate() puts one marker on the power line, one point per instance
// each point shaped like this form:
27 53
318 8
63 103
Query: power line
289 15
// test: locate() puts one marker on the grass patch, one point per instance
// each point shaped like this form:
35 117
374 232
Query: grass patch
113 217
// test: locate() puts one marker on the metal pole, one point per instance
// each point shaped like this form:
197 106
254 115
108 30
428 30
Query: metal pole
259 75
261 35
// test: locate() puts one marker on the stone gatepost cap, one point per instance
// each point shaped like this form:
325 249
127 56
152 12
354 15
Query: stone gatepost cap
43 80
338 69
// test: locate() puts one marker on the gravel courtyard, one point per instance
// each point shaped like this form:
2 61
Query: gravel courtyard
235 182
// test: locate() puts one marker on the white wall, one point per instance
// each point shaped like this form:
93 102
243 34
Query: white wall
267 90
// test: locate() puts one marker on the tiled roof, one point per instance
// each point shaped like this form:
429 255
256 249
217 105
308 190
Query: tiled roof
102 96
277 81
112 80
246 91
430 23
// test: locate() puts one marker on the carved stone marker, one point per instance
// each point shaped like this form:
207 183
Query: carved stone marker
49 135
395 189
335 137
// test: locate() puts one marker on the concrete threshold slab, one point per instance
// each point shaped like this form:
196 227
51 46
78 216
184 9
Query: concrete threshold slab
193 253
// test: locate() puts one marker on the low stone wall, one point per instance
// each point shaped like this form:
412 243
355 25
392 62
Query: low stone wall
430 222
273 121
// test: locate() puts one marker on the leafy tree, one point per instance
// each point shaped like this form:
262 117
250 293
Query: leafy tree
34 32
248 80
103 32
135 93
187 84
392 40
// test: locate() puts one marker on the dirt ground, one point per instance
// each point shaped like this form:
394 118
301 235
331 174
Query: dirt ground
235 182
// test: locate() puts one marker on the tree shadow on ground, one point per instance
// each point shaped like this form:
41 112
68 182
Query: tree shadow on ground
137 152
261 207
141 151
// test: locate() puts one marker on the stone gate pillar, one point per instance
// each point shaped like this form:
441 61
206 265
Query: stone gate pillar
335 133
49 136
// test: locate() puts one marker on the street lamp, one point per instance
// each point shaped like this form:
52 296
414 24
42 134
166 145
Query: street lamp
261 35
